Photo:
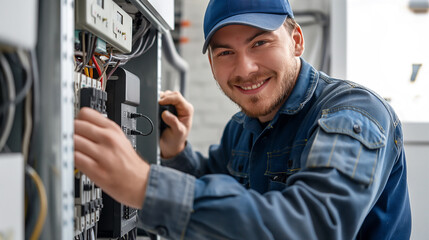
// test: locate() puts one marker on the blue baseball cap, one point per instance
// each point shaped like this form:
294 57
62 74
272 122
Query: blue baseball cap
264 14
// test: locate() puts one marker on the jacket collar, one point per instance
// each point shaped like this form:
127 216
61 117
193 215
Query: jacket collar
303 90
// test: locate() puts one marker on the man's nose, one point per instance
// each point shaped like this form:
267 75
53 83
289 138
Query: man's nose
245 66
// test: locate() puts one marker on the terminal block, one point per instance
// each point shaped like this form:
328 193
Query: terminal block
88 204
93 98
82 81
88 197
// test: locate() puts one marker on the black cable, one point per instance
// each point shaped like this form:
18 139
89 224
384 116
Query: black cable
21 94
94 45
91 48
136 132
134 234
4 95
3 87
113 70
10 83
36 107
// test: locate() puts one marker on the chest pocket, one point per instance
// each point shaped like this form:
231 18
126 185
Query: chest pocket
283 163
238 166
348 140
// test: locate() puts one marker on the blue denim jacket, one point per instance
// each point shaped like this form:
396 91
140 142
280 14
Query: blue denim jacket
330 165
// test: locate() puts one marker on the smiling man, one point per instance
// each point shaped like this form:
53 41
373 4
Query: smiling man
255 68
308 157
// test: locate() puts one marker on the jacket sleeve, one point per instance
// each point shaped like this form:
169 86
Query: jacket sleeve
194 163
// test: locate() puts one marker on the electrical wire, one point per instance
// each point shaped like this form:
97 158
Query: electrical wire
5 98
83 50
7 72
145 48
92 234
28 127
87 51
141 31
43 202
92 48
86 72
97 67
126 57
102 76
135 132
112 71
25 61
35 106
110 59
28 80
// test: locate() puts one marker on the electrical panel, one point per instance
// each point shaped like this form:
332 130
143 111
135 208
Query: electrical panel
107 20
103 29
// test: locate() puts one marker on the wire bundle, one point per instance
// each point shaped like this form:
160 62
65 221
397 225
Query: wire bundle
87 59
28 64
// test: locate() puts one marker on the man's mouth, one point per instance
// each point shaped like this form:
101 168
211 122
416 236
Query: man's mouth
253 86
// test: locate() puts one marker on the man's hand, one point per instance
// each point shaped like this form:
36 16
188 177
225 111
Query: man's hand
173 139
105 155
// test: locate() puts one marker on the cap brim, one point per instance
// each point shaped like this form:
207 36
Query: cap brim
264 21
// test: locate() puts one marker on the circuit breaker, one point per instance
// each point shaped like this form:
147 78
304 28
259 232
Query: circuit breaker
88 197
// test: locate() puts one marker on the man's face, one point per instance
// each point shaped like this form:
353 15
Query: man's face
256 69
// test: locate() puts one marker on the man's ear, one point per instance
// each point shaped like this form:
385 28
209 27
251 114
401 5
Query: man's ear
209 55
298 38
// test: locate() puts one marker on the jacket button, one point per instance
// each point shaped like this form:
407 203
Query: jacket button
357 128
162 231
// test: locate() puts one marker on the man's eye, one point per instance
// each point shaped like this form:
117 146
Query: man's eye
224 53
259 43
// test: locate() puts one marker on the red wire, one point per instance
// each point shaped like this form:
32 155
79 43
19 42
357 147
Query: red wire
98 69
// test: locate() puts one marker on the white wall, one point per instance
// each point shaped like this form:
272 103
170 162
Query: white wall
384 39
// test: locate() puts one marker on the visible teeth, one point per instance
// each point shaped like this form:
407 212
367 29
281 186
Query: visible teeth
254 86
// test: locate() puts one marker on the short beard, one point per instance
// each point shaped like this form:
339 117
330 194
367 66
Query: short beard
277 103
